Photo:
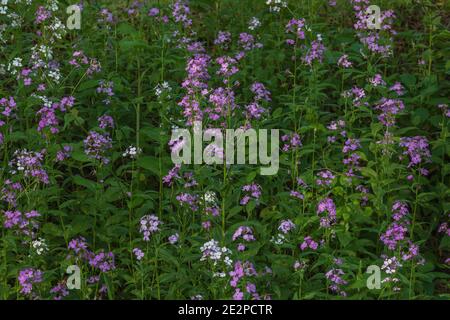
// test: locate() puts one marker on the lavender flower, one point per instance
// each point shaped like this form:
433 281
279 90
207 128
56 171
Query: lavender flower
417 149
399 210
343 62
105 122
286 226
27 278
252 191
315 53
149 224
60 291
327 205
189 200
30 164
103 261
96 145
308 242
334 275
138 253
325 178
173 239
395 233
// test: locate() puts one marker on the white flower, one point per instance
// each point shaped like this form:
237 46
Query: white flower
39 246
132 152
219 274
210 197
162 88
254 23
278 240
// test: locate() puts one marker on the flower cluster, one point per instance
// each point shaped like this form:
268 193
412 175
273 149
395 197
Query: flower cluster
27 278
29 163
389 108
23 223
252 191
417 149
213 252
149 224
290 142
325 178
238 275
96 145
335 276
327 205
308 242
190 200
245 233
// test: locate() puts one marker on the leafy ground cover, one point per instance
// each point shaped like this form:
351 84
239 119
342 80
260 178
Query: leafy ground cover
87 179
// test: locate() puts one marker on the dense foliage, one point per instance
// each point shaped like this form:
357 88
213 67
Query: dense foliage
85 143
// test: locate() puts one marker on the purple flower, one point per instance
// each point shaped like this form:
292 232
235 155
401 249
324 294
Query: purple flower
334 275
290 142
327 205
389 109
315 53
377 80
60 291
153 12
395 233
247 42
30 164
297 194
286 226
252 191
308 242
173 239
106 88
103 261
260 92
106 16
222 100
343 62
227 66
399 210
351 145
8 192
63 154
173 174
296 27
105 121
189 200
244 232
238 294
42 14
23 223
78 246
398 88
326 178
96 145
149 224
254 111
417 149
180 12
138 253
223 39
27 278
